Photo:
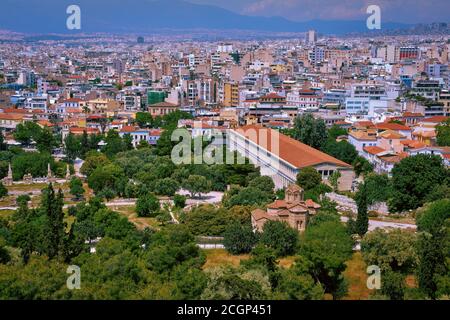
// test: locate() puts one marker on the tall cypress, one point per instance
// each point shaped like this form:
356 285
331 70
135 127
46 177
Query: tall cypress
52 206
362 220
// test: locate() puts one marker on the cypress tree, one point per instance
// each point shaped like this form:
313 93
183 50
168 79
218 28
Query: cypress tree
52 206
362 220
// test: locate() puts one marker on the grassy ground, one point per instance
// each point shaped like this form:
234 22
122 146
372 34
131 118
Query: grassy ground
220 257
140 223
356 276
6 213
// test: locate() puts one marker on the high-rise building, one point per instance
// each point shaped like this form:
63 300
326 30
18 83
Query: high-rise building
231 95
312 36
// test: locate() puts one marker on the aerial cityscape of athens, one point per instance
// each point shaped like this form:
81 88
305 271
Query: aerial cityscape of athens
207 150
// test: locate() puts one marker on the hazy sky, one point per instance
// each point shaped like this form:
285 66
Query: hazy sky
407 11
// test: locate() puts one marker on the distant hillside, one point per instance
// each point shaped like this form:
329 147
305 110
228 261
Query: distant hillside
130 16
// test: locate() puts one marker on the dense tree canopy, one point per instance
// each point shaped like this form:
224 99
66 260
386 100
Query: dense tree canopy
443 134
414 178
310 131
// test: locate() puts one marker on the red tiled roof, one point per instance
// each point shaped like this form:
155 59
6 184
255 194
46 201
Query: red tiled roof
368 124
436 119
392 126
128 129
272 95
292 151
77 130
412 114
373 150
414 144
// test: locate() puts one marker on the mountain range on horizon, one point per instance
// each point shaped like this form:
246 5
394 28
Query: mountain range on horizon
145 16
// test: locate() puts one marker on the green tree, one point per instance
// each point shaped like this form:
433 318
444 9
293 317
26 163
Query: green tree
76 188
280 237
52 207
147 206
92 162
393 285
115 144
231 284
433 248
324 249
35 163
84 146
109 177
362 166
179 201
27 132
72 147
263 183
45 140
308 178
432 218
342 150
5 257
393 250
295 286
166 187
239 239
144 119
40 279
3 145
334 180
249 196
3 190
413 178
362 220
196 185
377 188
335 131
310 131
443 134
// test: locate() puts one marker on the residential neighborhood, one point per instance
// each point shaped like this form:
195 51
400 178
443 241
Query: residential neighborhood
274 158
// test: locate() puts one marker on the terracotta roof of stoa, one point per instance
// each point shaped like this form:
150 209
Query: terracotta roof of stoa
290 150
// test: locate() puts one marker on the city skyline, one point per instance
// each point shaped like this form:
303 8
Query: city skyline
330 17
